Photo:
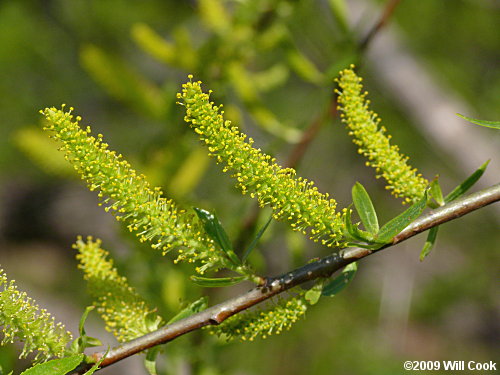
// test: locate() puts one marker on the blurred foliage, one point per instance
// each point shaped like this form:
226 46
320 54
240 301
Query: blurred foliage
272 64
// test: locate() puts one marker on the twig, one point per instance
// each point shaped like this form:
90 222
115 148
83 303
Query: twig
384 18
320 268
310 133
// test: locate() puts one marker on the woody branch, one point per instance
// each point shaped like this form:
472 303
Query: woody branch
324 267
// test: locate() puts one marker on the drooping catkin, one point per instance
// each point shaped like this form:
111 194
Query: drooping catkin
294 200
373 142
123 310
129 196
22 320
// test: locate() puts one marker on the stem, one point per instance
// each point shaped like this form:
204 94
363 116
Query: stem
384 18
273 286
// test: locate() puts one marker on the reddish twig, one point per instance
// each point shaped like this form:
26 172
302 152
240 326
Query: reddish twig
383 20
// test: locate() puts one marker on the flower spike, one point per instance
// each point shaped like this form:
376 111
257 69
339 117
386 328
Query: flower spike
125 313
373 143
22 319
293 199
129 196
263 323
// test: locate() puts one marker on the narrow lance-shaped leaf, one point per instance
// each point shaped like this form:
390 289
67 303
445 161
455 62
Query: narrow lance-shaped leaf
341 281
429 243
97 364
436 192
215 282
488 124
84 341
256 239
467 184
195 307
365 208
56 367
400 222
214 229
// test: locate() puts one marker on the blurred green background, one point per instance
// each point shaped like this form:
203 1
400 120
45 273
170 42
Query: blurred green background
272 65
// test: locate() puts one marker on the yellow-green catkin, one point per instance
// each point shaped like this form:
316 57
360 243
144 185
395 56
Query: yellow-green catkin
293 199
247 326
22 320
128 195
125 313
373 142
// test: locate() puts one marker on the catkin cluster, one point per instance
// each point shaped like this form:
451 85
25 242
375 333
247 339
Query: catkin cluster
125 313
21 319
249 325
403 180
128 195
293 199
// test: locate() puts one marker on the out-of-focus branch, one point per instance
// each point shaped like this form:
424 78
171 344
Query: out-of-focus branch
384 18
324 267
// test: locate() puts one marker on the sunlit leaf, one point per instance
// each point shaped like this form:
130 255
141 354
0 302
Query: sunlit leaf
488 124
56 366
353 231
215 282
365 208
436 192
467 184
313 295
400 222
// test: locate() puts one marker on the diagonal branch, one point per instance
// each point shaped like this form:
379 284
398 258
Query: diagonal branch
320 268
383 20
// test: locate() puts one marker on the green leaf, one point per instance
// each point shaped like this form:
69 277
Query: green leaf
97 364
195 307
341 281
312 295
429 243
152 321
150 360
436 192
215 282
365 208
56 366
488 124
256 239
84 341
81 325
214 229
400 222
353 231
467 184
